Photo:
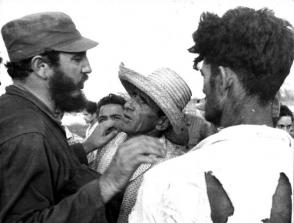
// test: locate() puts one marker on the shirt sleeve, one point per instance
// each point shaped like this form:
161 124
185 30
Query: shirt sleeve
29 187
163 200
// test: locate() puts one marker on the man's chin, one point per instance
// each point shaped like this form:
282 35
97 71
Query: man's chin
125 127
71 103
214 119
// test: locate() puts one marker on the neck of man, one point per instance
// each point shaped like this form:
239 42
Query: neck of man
38 92
247 111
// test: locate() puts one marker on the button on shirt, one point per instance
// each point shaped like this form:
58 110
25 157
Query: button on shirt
247 159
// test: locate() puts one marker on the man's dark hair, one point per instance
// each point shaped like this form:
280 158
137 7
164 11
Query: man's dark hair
285 111
91 107
20 70
255 44
110 99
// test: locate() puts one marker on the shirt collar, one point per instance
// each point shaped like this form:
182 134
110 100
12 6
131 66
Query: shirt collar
24 93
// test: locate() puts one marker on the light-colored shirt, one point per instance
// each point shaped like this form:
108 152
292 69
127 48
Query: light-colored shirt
247 160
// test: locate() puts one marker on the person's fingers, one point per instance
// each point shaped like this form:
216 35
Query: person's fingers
110 135
152 150
142 147
101 129
152 146
147 159
107 125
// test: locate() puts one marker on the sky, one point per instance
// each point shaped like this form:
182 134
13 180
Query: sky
143 34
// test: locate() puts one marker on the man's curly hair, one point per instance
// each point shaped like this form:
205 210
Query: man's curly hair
258 46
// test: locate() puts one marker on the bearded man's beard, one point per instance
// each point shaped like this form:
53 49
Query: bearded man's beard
61 90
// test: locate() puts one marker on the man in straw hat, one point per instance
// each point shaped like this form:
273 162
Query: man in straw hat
41 179
154 109
245 171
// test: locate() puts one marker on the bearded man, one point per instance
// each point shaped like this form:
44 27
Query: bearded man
41 178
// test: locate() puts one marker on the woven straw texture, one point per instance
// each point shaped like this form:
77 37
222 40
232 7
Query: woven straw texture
166 88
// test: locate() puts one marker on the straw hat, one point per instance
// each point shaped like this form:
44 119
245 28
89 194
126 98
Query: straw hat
166 88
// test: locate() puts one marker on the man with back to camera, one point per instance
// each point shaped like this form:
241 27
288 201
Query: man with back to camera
231 176
41 179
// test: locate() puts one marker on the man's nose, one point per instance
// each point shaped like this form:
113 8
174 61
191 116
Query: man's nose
86 69
111 122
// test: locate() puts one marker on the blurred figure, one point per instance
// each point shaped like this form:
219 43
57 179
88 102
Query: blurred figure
285 120
71 137
90 117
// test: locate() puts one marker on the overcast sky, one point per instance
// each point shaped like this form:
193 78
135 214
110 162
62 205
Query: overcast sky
145 35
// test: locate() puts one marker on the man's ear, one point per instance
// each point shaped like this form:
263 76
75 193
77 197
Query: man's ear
162 124
226 79
40 67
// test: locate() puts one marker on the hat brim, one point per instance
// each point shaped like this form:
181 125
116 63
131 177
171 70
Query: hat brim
78 45
129 77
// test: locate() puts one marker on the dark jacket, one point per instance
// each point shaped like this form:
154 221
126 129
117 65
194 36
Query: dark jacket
41 180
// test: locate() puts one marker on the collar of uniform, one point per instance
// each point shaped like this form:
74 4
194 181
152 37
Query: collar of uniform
24 93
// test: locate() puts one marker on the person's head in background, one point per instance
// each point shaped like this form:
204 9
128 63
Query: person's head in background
48 58
110 109
285 120
89 113
246 54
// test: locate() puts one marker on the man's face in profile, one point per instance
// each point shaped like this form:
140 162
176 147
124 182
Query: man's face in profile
68 81
213 109
141 114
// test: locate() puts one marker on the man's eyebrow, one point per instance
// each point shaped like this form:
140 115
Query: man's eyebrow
114 115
